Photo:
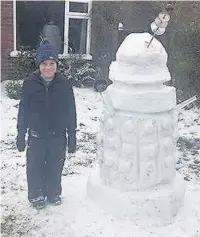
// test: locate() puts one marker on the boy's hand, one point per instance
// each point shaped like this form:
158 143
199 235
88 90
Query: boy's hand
21 142
72 142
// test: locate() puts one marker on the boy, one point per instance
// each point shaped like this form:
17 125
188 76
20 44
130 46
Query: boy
46 110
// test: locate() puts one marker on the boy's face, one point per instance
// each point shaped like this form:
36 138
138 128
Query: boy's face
48 69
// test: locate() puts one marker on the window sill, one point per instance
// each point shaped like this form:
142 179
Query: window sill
16 53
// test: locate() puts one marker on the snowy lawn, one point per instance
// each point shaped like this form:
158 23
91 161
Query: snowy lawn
78 216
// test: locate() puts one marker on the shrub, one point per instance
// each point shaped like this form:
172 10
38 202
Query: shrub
184 62
24 64
14 89
80 72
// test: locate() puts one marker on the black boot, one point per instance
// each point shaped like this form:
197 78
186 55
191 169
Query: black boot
39 202
55 201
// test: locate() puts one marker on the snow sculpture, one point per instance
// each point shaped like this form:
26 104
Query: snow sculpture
137 153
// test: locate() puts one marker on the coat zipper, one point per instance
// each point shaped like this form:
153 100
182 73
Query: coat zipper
47 97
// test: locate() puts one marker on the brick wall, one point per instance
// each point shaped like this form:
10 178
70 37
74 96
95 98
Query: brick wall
6 38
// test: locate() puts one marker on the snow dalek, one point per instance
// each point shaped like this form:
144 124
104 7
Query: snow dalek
136 176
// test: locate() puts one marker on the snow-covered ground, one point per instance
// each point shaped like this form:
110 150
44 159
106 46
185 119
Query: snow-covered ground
189 144
78 216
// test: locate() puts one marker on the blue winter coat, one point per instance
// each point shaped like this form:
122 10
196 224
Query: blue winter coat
46 110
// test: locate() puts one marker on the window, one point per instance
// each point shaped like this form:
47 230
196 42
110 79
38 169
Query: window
77 35
77 27
78 7
66 24
37 19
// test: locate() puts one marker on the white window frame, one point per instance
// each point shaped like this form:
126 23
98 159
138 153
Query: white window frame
68 15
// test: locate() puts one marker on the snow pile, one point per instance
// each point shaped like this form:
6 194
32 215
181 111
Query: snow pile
189 144
78 216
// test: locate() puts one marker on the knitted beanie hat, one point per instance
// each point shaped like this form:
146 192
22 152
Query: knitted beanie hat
46 51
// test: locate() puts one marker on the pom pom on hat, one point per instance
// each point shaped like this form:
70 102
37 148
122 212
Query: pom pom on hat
46 51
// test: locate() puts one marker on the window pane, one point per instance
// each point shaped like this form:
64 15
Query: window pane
77 36
40 18
78 7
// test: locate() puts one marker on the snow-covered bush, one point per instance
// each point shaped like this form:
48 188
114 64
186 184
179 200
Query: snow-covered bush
24 64
80 72
14 89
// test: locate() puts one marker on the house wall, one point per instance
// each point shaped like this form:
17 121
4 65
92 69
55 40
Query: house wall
6 38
